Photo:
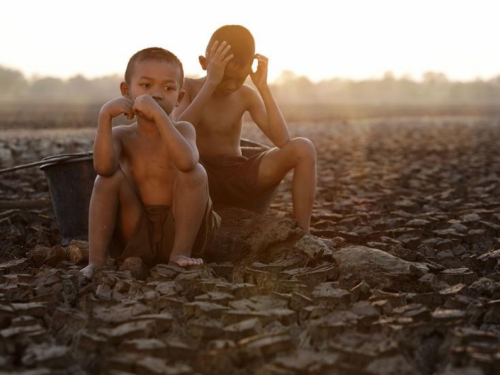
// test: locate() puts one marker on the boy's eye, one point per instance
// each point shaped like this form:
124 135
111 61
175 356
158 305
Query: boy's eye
168 88
146 85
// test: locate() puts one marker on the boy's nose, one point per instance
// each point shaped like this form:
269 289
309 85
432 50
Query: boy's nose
157 95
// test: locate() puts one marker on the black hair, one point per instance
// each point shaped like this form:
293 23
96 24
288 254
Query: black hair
153 53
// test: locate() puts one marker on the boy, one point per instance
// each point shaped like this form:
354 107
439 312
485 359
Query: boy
215 105
150 198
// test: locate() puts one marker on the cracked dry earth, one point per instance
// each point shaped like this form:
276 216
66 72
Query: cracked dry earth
411 286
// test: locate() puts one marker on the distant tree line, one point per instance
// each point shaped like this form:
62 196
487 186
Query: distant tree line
15 87
433 88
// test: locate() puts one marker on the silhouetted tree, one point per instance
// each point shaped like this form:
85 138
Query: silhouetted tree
47 89
12 84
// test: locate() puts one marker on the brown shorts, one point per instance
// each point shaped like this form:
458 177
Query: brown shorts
153 236
232 180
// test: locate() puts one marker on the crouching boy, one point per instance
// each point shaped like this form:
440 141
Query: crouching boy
150 198
216 103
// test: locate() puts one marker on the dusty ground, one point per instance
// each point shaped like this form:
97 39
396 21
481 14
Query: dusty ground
422 190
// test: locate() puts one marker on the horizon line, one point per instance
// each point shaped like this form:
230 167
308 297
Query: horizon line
386 73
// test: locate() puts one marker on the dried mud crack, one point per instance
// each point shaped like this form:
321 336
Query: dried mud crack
410 285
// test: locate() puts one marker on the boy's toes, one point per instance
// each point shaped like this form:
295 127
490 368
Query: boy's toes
183 262
187 262
196 261
87 272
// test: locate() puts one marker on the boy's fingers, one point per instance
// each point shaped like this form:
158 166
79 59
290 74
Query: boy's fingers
223 46
128 112
226 60
214 46
225 50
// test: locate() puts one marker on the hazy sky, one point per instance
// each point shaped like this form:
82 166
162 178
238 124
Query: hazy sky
318 38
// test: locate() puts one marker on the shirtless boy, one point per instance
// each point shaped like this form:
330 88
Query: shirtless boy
150 198
215 105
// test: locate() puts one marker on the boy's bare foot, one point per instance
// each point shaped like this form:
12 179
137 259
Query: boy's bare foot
185 261
88 271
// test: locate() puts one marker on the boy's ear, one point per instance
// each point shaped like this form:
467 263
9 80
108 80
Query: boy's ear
203 62
124 89
180 97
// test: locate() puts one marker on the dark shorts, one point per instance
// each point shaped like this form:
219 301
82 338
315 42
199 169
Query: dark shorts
153 236
233 179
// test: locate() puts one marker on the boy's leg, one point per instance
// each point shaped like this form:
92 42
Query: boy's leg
298 154
113 202
189 204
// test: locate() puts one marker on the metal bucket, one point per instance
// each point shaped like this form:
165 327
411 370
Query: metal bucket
70 180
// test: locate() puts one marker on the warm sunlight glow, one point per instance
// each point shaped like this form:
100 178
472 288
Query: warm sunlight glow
320 39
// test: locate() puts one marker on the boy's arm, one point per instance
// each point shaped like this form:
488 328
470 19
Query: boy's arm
179 140
107 145
190 109
264 110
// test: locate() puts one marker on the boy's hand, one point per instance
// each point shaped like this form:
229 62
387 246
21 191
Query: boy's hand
259 77
117 106
146 107
216 61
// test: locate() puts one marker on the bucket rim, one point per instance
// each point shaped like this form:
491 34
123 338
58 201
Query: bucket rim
51 163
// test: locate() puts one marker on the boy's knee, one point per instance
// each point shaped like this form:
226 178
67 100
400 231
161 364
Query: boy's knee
195 177
304 148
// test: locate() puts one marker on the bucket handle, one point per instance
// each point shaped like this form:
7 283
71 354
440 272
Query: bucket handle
48 159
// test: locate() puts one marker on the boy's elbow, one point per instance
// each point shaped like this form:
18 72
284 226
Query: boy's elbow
280 143
187 165
189 161
104 171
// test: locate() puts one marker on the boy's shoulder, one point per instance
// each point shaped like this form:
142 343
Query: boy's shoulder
193 84
247 89
249 94
125 128
121 131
